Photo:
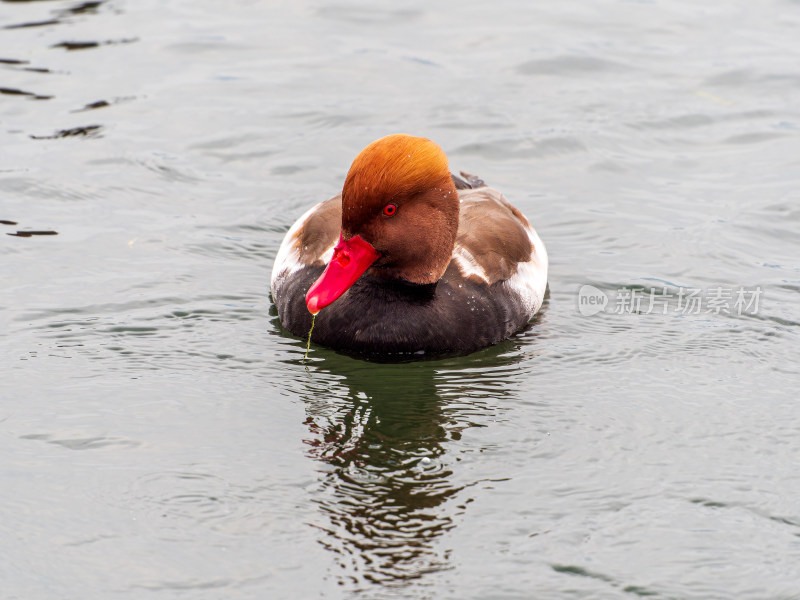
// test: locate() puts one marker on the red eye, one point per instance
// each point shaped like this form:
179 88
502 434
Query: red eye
389 209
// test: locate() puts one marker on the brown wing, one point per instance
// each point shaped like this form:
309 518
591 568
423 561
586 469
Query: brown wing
320 231
310 240
492 237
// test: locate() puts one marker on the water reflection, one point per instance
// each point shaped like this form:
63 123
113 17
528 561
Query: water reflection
387 435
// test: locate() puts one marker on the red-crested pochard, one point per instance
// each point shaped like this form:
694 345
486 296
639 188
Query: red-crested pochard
409 259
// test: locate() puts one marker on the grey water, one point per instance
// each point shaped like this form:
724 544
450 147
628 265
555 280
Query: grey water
161 435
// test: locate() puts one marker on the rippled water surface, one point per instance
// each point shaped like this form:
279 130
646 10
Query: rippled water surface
161 436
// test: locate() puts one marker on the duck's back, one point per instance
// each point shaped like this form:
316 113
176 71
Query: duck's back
493 285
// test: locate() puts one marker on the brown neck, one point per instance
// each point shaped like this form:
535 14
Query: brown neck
429 228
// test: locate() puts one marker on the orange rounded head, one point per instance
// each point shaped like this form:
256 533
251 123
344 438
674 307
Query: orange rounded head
399 217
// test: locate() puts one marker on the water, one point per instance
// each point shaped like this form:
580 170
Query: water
163 438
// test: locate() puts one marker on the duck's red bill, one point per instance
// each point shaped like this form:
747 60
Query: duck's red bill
350 259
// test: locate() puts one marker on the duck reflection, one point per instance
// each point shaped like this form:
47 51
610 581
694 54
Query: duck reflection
382 433
383 444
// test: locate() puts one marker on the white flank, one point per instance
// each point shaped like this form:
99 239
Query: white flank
530 280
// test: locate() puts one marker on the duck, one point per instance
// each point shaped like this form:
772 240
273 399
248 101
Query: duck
409 259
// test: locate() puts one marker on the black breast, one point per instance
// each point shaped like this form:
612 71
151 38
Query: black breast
376 316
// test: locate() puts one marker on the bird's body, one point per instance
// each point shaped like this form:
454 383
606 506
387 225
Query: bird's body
414 264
